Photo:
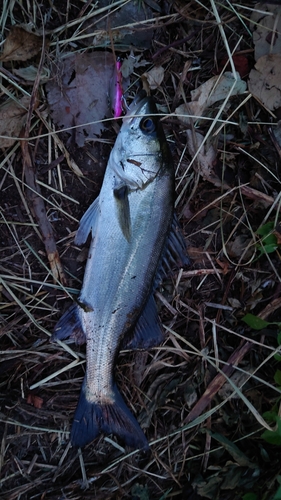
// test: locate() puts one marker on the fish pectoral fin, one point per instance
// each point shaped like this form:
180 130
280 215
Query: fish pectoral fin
147 332
121 195
88 223
69 327
92 418
174 254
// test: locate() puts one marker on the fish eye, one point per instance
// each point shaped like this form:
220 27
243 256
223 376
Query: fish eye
147 125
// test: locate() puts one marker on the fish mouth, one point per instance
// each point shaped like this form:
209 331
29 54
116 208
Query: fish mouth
141 105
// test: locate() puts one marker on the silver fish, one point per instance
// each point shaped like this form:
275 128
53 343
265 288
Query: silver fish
135 239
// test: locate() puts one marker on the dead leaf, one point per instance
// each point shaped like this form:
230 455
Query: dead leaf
21 45
155 77
266 29
230 477
240 62
277 233
206 158
235 303
241 247
131 62
213 90
265 81
125 23
216 89
12 118
78 97
224 265
30 72
35 401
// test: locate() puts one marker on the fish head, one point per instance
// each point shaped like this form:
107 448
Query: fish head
141 150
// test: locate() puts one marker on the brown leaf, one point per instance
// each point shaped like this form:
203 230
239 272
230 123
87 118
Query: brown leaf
12 117
206 158
277 233
35 401
224 265
79 97
20 45
125 22
155 77
29 74
266 26
240 247
241 65
212 91
265 81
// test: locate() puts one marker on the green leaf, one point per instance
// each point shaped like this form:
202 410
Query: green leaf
273 437
249 496
270 240
267 248
255 322
268 243
277 377
140 491
164 496
277 495
266 229
270 416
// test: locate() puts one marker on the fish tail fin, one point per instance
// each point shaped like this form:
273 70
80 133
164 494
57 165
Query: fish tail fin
93 418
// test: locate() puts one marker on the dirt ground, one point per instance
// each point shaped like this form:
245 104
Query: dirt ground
208 398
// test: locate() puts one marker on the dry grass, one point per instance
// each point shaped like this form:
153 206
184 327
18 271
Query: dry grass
202 395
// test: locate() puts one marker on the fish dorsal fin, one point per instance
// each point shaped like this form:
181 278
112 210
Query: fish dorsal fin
121 195
176 247
174 254
147 332
87 223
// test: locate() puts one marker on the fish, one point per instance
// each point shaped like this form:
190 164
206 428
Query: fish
135 242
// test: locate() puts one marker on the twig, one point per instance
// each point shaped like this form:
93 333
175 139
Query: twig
34 194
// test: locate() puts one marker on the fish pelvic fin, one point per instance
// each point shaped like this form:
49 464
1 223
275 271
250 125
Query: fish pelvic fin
88 223
70 327
147 332
94 418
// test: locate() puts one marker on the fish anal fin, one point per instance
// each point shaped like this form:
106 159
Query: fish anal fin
147 332
69 327
93 418
123 209
87 223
